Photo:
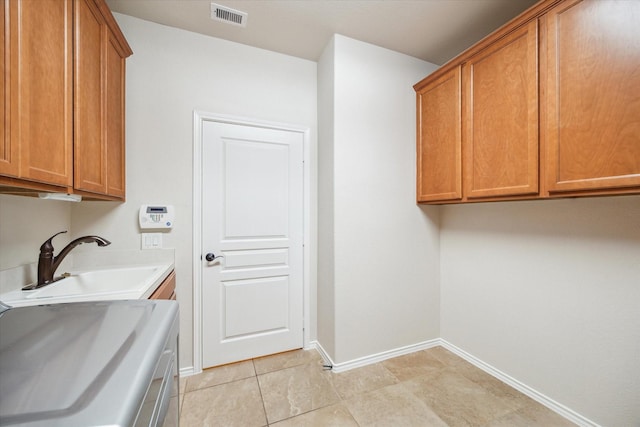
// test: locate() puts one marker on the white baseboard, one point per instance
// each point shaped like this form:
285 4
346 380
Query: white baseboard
188 371
523 388
316 346
374 358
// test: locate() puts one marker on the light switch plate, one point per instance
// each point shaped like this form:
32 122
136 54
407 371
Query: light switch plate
151 240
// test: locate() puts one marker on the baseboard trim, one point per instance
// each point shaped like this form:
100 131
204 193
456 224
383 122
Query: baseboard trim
374 358
188 371
325 356
523 388
558 408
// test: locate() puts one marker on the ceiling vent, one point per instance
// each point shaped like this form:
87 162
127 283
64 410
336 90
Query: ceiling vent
228 15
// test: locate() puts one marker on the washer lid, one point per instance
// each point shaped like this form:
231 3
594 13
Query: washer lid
68 364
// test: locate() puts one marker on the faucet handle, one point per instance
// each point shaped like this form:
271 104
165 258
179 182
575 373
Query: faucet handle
47 246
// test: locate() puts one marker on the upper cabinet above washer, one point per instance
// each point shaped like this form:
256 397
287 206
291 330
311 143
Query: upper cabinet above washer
550 107
592 89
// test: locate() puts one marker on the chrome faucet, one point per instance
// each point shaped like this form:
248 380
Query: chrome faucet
48 264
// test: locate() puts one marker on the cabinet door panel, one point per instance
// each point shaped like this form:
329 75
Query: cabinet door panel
167 288
90 165
593 102
8 151
115 119
41 89
501 111
439 139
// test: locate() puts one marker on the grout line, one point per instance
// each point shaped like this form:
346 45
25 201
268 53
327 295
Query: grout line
264 407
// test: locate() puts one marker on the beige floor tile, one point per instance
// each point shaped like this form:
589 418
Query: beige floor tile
496 387
331 416
392 406
229 405
362 380
445 356
413 365
285 360
477 375
458 400
182 384
531 415
220 375
294 391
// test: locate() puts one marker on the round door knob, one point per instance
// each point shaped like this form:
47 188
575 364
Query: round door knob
210 256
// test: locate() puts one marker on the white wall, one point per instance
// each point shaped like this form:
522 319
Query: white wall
25 223
326 254
384 248
548 292
172 73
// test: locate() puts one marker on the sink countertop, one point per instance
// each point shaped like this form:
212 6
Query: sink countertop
100 279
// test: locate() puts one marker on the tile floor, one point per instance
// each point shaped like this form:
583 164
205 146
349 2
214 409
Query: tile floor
432 387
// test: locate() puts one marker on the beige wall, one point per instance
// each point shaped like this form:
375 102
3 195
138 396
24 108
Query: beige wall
548 292
25 223
378 255
172 73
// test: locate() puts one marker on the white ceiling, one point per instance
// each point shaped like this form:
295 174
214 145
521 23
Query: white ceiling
432 30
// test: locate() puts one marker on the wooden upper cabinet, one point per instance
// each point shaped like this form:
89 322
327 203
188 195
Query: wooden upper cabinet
592 131
439 142
115 130
99 104
500 88
8 152
37 131
90 169
62 112
550 108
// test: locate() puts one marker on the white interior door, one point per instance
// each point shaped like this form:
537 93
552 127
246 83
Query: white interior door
252 220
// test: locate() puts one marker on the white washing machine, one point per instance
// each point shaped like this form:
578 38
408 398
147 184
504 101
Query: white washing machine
112 363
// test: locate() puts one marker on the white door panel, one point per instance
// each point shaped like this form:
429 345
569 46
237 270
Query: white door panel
256 258
256 189
253 217
269 299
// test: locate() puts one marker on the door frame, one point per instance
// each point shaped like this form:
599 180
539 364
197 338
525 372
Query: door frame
199 117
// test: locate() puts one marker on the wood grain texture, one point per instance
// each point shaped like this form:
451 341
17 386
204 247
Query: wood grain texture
115 124
8 152
500 142
41 89
99 104
90 153
63 98
593 95
439 141
167 288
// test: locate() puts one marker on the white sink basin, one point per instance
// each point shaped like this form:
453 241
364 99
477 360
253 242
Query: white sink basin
128 282
110 281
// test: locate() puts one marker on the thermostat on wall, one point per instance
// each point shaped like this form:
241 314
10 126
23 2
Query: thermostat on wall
156 216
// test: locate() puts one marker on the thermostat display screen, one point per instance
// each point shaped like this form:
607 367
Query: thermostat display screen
156 209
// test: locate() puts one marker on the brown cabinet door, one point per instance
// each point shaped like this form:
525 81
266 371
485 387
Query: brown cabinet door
90 162
40 90
439 160
167 288
99 104
500 87
592 130
8 151
115 100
